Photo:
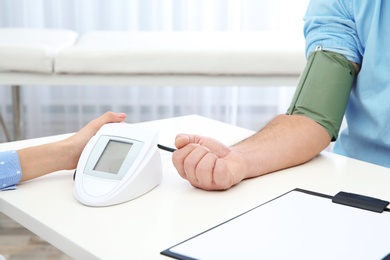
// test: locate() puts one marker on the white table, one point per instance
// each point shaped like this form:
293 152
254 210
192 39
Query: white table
173 211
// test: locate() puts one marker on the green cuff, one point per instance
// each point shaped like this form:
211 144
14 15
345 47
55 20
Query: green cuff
323 90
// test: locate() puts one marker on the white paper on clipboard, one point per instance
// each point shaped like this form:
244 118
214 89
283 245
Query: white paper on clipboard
297 225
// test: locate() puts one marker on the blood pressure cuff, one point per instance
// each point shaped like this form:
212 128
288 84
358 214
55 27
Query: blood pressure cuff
323 90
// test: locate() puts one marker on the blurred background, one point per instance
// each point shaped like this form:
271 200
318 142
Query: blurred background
49 110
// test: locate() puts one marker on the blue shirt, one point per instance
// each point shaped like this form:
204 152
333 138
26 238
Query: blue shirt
10 170
358 29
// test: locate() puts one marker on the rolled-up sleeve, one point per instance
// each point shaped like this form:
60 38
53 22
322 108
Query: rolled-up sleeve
330 24
10 170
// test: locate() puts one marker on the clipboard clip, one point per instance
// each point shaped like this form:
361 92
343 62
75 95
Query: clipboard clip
361 201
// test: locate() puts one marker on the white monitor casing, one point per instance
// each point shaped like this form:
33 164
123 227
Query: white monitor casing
131 165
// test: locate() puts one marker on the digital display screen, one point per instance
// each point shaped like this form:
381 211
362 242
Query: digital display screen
113 156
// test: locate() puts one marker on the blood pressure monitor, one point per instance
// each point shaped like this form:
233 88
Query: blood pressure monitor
120 163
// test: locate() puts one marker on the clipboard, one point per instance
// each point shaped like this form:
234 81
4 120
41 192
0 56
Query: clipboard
299 224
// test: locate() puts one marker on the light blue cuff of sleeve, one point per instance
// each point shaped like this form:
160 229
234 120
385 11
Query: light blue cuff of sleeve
10 170
345 51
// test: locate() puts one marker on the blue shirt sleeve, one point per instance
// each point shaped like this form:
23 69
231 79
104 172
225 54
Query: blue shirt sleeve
10 170
331 25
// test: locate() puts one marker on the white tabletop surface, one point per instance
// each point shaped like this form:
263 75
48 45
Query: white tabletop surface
174 210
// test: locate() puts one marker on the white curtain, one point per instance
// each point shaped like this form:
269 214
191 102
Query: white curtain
52 110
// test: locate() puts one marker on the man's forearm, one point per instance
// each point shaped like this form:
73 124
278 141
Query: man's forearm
288 140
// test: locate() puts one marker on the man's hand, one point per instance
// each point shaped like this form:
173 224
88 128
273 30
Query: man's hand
206 163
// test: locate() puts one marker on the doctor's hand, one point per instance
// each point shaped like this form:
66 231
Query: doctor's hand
206 163
78 141
39 160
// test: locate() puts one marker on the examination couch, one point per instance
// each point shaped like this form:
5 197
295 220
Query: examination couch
111 58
